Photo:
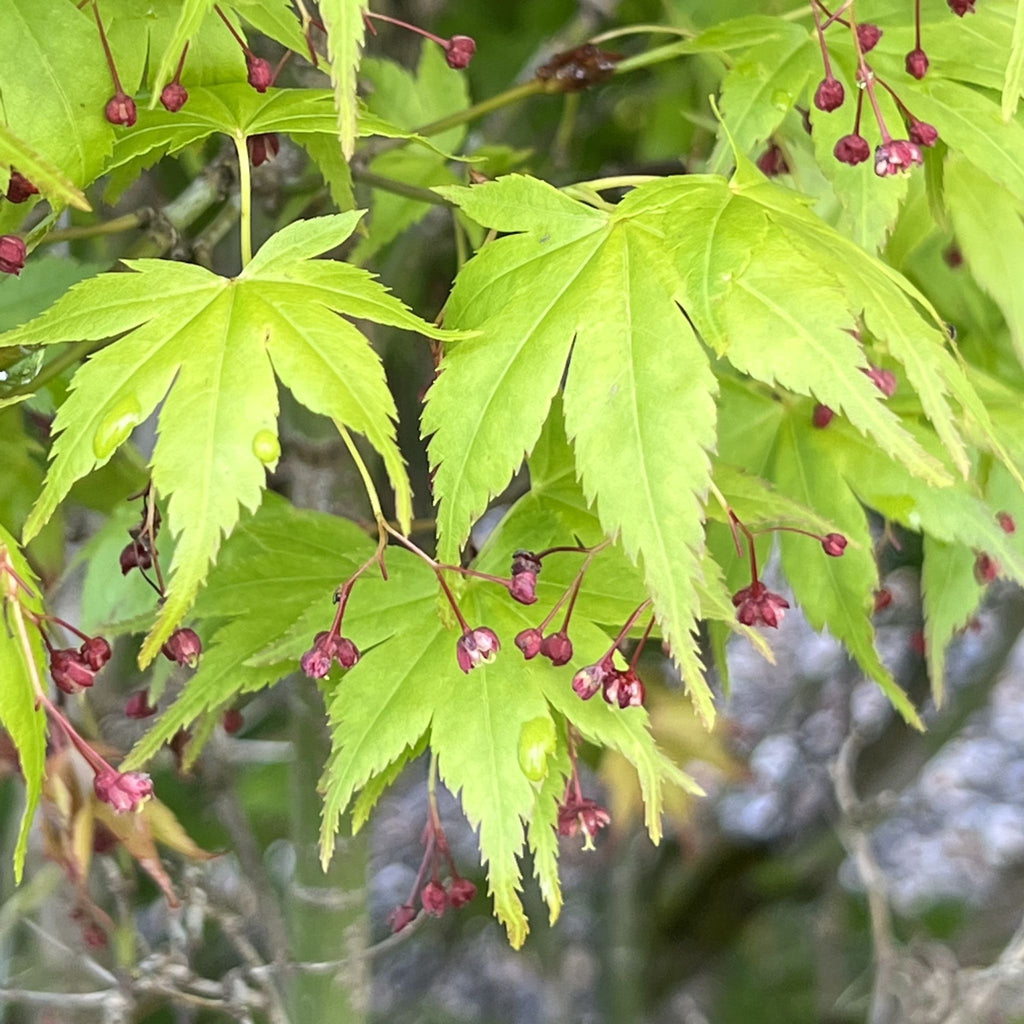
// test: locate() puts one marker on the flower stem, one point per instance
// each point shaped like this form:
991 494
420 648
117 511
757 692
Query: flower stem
630 622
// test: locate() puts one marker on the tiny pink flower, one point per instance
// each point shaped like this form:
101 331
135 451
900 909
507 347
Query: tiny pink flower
124 791
884 380
475 647
588 680
897 156
631 692
1006 522
757 605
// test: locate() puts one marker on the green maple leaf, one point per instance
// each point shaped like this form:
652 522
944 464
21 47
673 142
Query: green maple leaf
638 398
208 348
56 111
19 715
271 592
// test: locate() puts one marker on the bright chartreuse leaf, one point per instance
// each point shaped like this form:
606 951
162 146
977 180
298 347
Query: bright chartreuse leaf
971 123
407 685
208 348
147 41
638 397
346 28
833 592
762 87
51 181
950 594
24 722
1014 77
55 109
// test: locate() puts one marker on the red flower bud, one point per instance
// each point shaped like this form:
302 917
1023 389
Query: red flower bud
461 892
232 721
923 133
401 917
20 188
121 110
523 587
852 150
868 36
184 647
834 544
822 416
70 671
459 51
174 96
986 568
917 63
137 705
12 254
1005 520
95 652
260 74
557 647
529 642
434 899
829 95
961 7
262 147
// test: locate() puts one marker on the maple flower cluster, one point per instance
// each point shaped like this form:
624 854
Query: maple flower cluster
433 895
755 604
892 155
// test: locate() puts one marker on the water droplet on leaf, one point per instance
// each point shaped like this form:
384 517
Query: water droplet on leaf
781 99
266 447
117 423
536 744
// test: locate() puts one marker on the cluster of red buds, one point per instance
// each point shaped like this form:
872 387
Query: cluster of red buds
12 254
892 155
433 895
183 645
755 604
72 670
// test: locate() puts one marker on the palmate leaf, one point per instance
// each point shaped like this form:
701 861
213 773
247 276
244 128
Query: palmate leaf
282 564
57 110
145 37
209 347
24 722
638 397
